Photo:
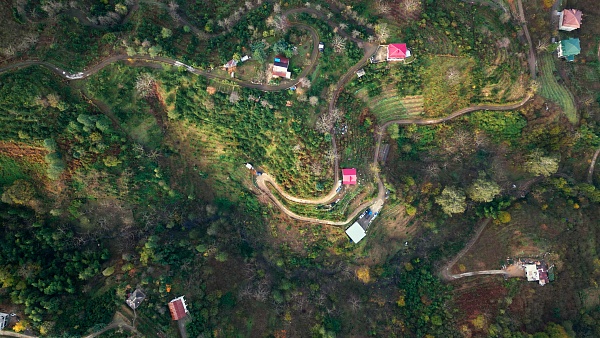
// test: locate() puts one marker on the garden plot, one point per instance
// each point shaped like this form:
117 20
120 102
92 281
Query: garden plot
390 106
551 89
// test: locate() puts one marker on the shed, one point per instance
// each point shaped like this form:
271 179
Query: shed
349 176
356 232
135 299
3 320
360 72
178 308
245 58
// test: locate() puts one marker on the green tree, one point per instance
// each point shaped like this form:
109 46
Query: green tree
483 190
258 51
166 33
111 161
20 192
154 50
540 164
452 200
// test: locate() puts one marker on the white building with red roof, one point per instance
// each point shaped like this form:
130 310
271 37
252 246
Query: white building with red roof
570 19
397 52
280 67
349 176
178 308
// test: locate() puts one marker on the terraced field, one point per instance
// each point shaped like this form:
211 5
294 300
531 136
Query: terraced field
389 106
552 90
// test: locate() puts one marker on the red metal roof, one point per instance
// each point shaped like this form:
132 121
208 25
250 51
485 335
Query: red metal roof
349 176
177 308
571 18
396 51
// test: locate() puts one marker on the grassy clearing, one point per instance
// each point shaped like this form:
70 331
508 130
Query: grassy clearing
12 170
390 106
447 84
551 89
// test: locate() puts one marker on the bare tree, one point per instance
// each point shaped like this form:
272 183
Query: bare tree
276 8
234 97
354 303
144 85
382 7
313 100
173 6
371 38
343 26
318 7
503 43
248 4
411 6
542 46
281 23
307 4
304 82
382 32
355 34
338 43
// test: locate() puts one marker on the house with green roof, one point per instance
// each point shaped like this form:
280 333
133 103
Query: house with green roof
569 48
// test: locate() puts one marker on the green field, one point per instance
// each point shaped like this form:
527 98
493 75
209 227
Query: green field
552 90
389 106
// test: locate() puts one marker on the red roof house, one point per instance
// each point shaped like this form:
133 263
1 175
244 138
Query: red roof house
570 19
349 176
178 308
280 67
397 52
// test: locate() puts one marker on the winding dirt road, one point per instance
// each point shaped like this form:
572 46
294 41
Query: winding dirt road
369 50
445 271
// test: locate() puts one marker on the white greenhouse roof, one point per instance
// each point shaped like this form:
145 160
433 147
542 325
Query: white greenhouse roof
356 232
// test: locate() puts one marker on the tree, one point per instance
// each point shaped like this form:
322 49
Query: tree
258 51
234 97
144 85
452 200
483 190
540 164
313 100
382 32
20 192
111 161
282 47
338 43
166 33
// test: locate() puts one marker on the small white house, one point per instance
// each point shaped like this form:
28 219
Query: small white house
356 232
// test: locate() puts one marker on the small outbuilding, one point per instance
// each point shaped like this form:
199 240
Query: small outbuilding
3 320
349 176
360 72
178 308
135 299
570 19
356 232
